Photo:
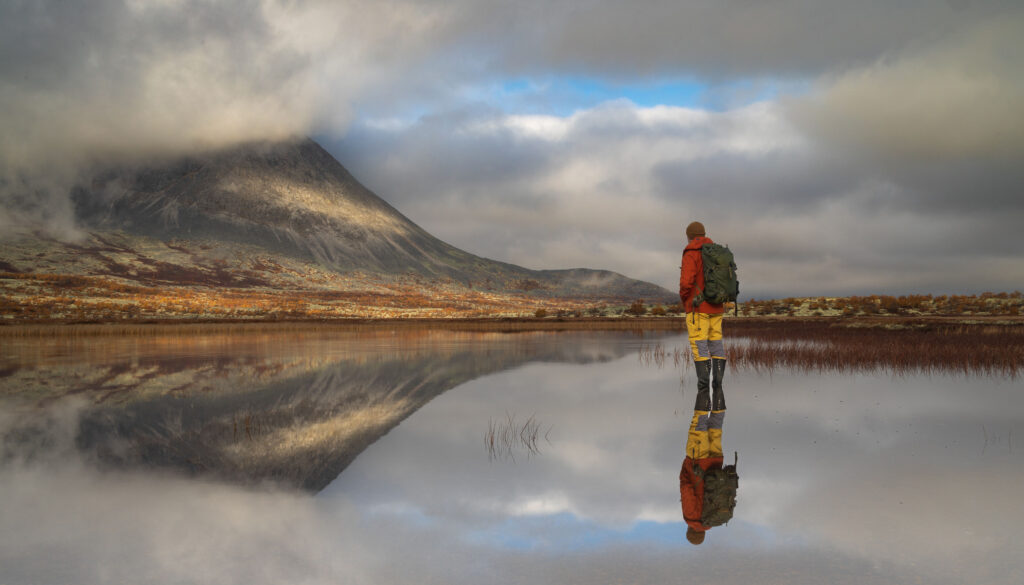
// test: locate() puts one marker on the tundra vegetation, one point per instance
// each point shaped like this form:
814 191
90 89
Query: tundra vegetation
71 298
33 297
987 303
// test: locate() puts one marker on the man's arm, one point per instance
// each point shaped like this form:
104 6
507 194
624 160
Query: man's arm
687 275
691 501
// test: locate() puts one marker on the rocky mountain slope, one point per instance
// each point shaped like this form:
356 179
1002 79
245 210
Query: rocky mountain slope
294 198
267 217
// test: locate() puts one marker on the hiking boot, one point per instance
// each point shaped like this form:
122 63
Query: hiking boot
718 372
703 385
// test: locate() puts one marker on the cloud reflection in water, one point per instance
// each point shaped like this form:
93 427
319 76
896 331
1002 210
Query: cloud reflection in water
844 479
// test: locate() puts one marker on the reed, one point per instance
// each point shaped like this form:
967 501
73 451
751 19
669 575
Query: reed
657 354
506 436
915 347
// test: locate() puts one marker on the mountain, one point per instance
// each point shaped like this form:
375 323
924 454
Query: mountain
292 198
280 215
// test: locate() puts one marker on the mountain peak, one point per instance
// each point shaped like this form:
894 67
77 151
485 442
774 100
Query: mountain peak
206 217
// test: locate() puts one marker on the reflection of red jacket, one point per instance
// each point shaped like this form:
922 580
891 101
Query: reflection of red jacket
691 277
691 490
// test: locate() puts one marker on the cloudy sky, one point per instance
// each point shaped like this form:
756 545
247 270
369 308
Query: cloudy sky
837 147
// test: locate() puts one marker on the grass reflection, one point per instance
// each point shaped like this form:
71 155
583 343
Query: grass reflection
828 346
506 436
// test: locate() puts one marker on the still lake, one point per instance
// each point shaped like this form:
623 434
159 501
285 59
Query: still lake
429 456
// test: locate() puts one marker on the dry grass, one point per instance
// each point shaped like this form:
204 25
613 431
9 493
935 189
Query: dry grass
963 348
905 347
987 303
657 355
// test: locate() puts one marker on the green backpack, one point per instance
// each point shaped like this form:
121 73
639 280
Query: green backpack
720 282
720 485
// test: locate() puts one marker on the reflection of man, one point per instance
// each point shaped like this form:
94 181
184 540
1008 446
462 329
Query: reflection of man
704 457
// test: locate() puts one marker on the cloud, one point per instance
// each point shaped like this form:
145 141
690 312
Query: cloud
876 178
952 101
114 76
940 124
71 524
549 192
821 460
64 521
706 38
110 82
613 186
100 82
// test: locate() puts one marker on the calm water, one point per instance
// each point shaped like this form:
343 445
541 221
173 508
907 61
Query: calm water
363 458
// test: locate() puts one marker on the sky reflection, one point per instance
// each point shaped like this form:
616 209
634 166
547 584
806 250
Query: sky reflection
914 474
844 479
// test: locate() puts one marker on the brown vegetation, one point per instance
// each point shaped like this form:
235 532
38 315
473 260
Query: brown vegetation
76 298
637 308
239 295
912 346
987 303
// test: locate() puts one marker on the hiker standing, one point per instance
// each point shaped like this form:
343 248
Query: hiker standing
703 318
704 326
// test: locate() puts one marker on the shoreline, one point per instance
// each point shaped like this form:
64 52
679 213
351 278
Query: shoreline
497 324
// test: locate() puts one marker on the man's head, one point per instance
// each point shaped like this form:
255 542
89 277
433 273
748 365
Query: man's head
694 536
694 229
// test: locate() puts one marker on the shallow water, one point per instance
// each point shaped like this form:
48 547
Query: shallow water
364 458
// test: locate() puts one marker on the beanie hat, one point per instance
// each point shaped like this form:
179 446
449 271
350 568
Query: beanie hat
694 536
694 229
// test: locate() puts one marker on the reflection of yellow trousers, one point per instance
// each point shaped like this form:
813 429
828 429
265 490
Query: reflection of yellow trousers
705 331
705 437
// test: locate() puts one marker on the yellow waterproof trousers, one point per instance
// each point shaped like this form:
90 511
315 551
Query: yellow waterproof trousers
705 437
705 331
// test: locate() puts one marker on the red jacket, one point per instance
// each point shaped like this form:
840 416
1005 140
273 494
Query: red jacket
691 490
691 277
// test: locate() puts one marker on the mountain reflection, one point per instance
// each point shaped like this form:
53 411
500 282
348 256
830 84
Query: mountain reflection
291 408
846 478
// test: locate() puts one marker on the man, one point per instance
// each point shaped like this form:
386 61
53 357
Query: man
704 326
704 321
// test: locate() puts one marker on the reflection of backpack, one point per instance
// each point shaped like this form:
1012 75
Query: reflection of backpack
720 485
720 282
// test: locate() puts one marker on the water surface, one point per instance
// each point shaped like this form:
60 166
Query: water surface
362 458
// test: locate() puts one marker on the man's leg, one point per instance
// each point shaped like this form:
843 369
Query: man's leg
715 421
717 350
698 327
717 417
698 442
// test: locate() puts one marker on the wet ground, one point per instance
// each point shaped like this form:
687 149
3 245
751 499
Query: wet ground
488 458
